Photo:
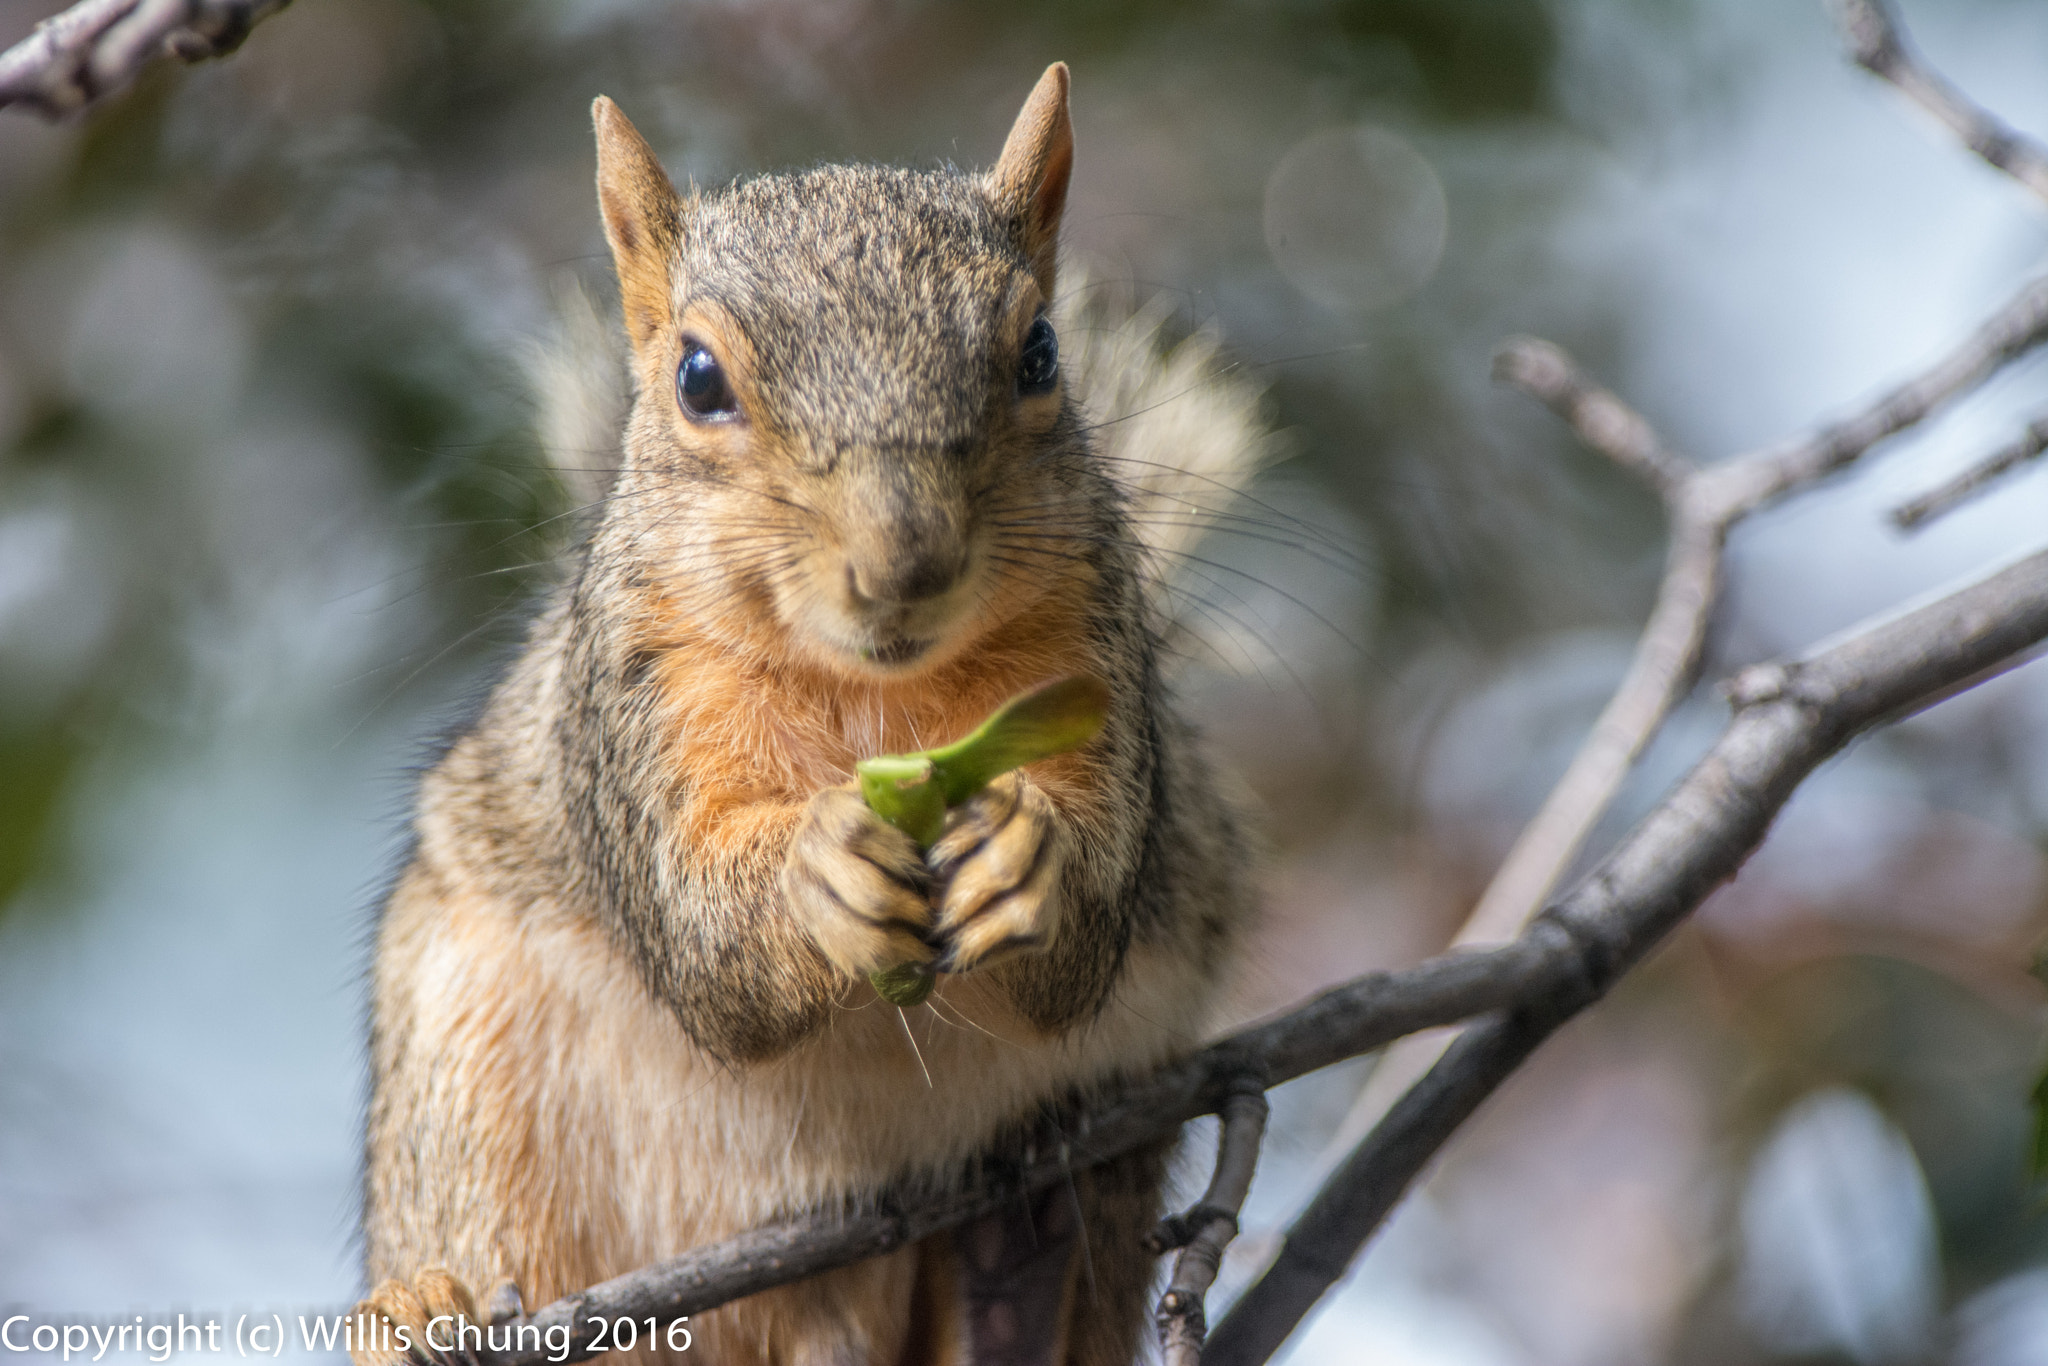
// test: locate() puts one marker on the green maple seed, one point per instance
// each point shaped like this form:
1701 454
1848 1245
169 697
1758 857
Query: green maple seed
913 791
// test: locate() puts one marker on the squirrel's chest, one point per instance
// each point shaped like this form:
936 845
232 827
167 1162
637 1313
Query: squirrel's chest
731 724
705 1149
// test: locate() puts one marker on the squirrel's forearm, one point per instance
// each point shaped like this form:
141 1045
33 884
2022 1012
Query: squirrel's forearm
722 950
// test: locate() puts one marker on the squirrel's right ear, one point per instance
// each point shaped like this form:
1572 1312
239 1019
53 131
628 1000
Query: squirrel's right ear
643 221
1029 180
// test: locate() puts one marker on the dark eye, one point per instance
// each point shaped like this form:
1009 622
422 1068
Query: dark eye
1039 366
701 386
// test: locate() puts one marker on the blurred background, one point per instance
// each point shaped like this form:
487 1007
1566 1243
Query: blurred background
273 494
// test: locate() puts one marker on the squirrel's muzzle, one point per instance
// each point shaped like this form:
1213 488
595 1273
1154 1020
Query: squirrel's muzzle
915 574
904 538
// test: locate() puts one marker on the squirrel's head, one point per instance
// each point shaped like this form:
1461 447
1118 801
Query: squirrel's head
850 416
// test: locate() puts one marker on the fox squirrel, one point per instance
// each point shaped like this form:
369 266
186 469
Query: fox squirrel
620 1000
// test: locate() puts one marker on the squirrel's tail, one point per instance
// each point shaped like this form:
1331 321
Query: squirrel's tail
1178 427
581 394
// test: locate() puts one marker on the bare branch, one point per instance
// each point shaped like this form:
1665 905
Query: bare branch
1788 718
1359 1195
1747 483
1666 657
1343 1022
1212 1223
1880 48
1915 512
1660 673
1705 505
1542 370
97 47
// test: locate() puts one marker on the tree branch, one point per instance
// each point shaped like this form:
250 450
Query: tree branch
1750 482
1341 1023
1206 1230
1542 370
1705 505
1788 718
1916 512
97 47
1371 1181
1666 656
1879 47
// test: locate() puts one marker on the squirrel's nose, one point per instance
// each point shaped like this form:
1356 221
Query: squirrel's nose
915 575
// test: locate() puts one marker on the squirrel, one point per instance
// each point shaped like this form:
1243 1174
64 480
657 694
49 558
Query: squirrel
620 1004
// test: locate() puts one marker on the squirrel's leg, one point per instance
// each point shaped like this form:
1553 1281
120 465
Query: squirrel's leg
1059 1279
431 1318
482 1086
1111 1299
782 905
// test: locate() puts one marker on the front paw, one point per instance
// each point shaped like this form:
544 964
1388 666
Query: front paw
431 1320
858 885
998 867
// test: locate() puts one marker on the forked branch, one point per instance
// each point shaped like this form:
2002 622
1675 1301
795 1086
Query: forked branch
1206 1230
1788 718
1706 504
1880 47
97 47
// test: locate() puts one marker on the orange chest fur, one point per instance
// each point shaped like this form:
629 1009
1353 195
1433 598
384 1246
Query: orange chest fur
740 729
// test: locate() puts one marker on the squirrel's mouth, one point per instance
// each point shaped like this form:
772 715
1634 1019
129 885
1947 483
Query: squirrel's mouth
902 650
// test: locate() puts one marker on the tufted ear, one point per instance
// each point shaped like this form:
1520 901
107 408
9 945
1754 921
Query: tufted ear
1029 180
643 221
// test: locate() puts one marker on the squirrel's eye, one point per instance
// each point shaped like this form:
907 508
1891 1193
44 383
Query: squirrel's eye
1039 366
701 386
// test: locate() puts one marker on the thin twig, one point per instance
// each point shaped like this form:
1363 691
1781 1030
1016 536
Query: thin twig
97 47
1915 512
1210 1225
1606 424
1788 719
1747 483
1361 1192
1705 505
1880 48
1666 657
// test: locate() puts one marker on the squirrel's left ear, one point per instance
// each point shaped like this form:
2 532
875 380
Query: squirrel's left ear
1029 181
643 221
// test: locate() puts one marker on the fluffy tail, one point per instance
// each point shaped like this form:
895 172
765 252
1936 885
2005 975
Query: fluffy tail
581 393
1179 428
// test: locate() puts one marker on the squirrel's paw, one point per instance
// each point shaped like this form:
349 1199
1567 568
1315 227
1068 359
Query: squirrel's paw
858 885
999 864
404 1315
